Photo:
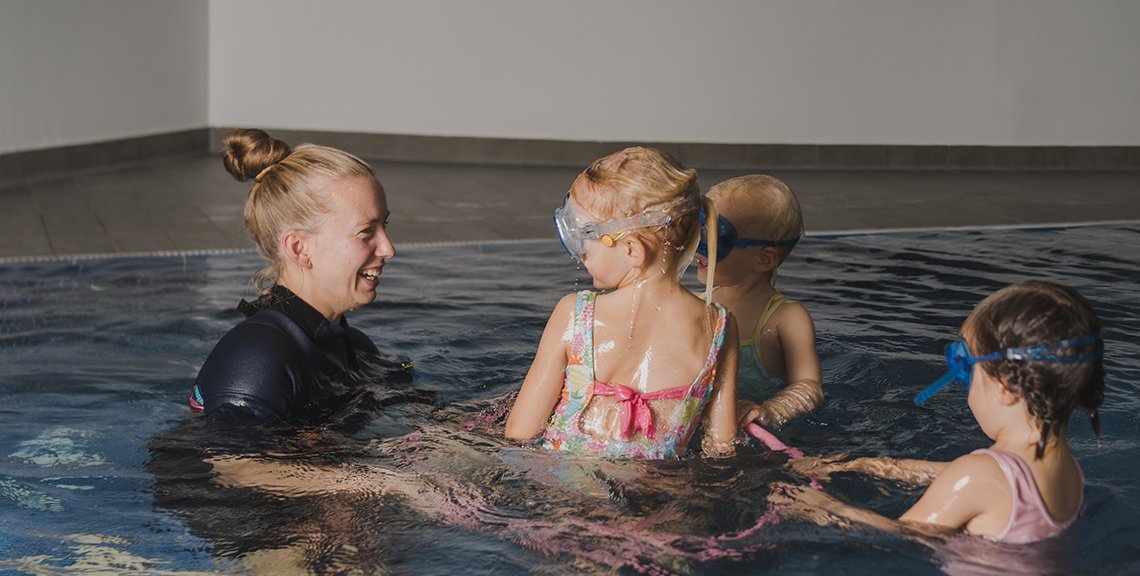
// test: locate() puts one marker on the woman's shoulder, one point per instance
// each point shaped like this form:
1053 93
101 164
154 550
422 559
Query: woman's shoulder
268 338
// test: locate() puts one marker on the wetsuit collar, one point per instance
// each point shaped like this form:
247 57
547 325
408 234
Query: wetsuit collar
285 301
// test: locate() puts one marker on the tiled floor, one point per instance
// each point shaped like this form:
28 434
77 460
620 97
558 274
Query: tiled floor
193 204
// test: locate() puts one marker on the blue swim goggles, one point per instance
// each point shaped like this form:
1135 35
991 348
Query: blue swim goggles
726 239
960 364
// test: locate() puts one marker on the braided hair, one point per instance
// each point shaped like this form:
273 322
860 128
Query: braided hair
1040 313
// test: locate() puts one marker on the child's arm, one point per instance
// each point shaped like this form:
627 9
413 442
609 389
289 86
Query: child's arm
720 425
917 472
804 391
543 384
971 493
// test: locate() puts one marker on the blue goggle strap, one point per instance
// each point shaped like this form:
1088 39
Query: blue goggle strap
933 389
1029 353
1047 353
737 242
748 243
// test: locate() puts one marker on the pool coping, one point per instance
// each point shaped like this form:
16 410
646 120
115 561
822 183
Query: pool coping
12 260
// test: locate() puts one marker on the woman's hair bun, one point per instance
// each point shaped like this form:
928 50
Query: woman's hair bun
246 153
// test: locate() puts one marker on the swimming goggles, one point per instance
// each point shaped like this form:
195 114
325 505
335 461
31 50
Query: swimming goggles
960 364
576 226
726 239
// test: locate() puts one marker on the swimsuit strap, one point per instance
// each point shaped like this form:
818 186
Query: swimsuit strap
579 374
721 329
770 308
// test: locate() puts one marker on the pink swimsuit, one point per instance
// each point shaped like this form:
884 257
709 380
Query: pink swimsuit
644 431
1029 521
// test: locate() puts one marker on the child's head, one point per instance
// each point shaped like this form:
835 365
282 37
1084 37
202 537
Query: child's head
760 207
636 193
1036 317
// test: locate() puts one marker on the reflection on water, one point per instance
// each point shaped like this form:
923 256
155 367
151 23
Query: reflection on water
101 466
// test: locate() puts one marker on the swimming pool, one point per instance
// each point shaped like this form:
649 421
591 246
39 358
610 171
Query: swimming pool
100 464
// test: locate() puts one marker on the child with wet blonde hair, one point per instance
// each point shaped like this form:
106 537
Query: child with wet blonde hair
630 371
759 223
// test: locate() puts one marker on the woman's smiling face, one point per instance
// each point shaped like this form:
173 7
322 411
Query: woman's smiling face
349 247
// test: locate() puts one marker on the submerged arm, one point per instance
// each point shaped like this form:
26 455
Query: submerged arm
916 472
720 426
543 383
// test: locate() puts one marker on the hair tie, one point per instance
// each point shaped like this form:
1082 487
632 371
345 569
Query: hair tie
261 174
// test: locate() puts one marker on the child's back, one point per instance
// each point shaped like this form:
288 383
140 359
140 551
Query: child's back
643 390
652 337
631 371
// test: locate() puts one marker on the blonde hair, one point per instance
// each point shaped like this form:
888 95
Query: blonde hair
288 190
636 179
763 207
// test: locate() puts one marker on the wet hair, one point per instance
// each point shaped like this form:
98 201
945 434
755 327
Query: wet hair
1041 314
763 208
288 191
635 179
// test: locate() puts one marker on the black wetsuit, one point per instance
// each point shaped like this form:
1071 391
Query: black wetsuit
284 361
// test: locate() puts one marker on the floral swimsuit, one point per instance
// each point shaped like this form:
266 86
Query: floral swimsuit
645 432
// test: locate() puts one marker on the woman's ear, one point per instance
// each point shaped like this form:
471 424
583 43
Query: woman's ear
295 249
766 260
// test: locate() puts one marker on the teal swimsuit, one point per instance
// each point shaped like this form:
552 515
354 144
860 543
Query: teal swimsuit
753 381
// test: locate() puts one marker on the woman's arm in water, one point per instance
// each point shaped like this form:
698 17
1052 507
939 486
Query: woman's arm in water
543 384
720 425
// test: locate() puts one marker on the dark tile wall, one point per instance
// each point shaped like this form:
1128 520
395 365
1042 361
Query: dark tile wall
32 165
51 162
728 156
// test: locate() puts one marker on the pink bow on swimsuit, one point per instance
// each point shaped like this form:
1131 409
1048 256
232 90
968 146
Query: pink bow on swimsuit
635 412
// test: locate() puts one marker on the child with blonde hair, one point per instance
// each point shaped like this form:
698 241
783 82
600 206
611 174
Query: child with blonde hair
759 223
630 371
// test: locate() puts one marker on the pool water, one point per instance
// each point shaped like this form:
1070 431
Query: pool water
102 469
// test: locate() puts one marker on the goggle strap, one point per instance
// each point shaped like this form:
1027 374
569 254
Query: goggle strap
933 389
1035 352
748 243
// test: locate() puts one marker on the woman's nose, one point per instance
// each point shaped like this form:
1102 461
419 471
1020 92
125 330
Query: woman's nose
384 247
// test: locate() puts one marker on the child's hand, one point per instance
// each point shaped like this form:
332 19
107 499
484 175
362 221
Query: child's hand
749 411
819 467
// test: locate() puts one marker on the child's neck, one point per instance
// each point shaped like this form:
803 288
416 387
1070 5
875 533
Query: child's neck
1022 440
757 290
651 281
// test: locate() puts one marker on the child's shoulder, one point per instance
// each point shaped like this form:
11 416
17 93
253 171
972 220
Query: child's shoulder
792 315
567 304
977 470
791 307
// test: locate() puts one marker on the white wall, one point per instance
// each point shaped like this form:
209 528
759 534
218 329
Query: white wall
81 71
983 72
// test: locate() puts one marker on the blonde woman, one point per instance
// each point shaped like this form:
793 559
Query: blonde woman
318 216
